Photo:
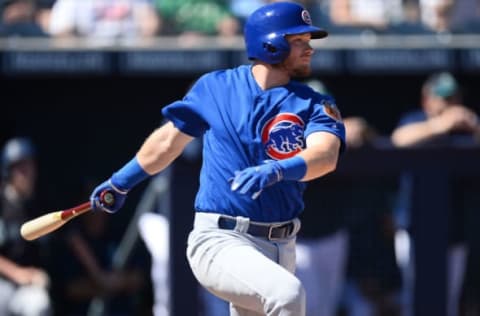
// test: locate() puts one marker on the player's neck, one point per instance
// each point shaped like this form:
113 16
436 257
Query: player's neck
268 76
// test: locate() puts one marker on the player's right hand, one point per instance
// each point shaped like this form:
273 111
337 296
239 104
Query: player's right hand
119 196
253 180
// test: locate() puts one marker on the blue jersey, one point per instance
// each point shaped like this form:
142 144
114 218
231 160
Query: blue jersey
242 126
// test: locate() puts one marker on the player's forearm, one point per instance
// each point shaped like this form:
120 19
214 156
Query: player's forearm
162 147
157 152
321 155
319 163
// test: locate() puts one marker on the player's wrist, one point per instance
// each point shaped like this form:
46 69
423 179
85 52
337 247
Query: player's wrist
128 176
293 169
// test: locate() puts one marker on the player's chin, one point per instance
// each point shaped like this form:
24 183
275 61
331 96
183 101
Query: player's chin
302 71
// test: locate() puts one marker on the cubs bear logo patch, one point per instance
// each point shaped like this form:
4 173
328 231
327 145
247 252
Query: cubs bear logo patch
282 136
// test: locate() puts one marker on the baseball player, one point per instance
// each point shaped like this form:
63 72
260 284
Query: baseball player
264 136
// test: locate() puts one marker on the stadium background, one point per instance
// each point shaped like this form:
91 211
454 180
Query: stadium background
89 106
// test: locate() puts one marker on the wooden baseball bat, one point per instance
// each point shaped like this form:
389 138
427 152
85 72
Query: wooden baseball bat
49 222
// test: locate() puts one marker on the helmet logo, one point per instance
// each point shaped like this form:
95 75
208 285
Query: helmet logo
306 17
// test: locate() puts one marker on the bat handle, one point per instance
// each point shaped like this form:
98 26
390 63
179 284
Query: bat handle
106 197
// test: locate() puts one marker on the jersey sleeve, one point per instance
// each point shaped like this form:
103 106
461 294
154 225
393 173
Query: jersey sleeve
187 114
326 117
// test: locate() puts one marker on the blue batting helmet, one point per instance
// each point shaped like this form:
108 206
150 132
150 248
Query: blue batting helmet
15 150
266 28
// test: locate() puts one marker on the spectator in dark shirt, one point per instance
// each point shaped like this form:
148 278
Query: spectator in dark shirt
442 120
23 279
25 18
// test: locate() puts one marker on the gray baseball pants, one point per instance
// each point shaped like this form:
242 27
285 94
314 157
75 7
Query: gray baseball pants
254 274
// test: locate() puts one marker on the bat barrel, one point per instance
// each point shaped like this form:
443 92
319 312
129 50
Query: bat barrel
41 225
47 223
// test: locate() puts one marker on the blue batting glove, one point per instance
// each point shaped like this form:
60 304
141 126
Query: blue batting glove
118 185
253 180
119 196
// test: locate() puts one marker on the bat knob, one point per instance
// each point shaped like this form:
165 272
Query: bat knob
107 197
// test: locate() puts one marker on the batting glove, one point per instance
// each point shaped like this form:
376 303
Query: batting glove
119 196
119 184
253 180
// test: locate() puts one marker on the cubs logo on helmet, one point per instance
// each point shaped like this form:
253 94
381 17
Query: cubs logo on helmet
306 17
283 136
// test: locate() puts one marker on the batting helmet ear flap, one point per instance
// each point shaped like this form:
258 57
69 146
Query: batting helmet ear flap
274 50
269 48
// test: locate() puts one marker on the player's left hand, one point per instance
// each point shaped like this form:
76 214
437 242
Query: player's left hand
97 203
253 180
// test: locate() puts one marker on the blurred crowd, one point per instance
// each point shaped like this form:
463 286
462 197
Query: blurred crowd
148 18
